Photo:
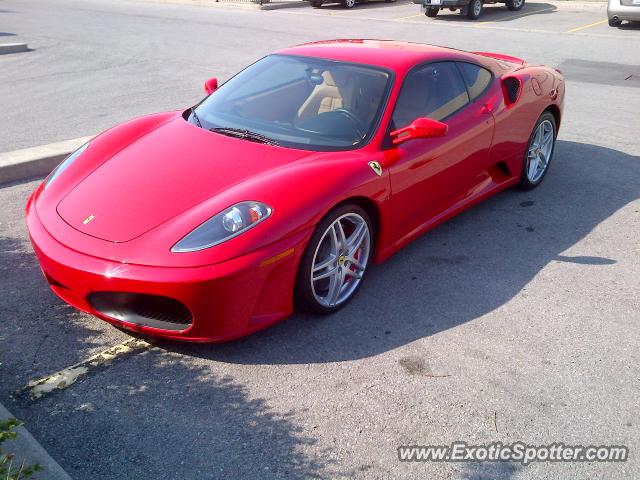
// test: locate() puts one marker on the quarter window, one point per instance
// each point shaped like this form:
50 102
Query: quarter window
476 78
435 91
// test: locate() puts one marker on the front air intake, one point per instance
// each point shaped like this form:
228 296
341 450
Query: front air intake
153 311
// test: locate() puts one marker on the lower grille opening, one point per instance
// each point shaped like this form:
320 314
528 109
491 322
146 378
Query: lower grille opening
153 311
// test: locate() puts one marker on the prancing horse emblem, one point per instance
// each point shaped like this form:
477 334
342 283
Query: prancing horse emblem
375 166
88 219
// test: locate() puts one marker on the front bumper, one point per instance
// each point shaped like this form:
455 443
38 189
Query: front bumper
226 300
443 3
623 12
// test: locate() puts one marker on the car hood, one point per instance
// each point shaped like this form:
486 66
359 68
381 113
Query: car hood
162 174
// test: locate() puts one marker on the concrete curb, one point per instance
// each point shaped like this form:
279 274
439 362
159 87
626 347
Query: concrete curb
291 4
36 161
27 448
13 48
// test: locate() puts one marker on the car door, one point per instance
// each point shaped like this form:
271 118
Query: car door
429 175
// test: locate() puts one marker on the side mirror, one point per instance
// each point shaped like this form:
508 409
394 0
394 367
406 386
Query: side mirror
419 128
210 85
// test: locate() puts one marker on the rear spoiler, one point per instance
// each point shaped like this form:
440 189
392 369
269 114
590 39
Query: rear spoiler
500 56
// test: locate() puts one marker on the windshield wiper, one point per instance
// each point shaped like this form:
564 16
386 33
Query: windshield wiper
195 116
245 135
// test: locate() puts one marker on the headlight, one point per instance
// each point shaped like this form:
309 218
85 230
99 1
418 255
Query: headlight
224 226
64 164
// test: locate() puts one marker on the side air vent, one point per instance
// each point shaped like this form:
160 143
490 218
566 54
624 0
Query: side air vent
512 88
147 310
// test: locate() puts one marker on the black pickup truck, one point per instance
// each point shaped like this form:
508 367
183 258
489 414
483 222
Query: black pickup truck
468 8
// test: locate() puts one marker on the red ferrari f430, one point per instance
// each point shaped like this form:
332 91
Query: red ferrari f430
285 183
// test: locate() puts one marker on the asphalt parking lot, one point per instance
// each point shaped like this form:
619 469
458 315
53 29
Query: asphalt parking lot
519 320
568 17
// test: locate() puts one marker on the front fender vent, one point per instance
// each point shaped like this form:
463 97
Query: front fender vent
512 87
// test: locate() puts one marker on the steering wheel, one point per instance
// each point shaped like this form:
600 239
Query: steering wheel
359 126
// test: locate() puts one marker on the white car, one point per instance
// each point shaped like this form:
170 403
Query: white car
619 10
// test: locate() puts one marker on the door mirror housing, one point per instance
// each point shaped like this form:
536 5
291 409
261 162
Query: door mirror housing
420 128
210 85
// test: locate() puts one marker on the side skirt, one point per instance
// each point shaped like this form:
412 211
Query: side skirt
491 189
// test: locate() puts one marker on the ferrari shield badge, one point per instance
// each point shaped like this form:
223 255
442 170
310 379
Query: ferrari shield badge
375 166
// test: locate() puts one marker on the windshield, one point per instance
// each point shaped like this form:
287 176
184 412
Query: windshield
299 102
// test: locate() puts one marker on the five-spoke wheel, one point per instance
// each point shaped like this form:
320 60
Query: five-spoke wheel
539 152
335 261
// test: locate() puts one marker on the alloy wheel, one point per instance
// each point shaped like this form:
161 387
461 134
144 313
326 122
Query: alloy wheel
540 151
340 260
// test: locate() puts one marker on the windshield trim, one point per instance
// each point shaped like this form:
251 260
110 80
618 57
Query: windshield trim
375 125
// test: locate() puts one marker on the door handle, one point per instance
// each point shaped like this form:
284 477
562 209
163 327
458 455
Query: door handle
487 108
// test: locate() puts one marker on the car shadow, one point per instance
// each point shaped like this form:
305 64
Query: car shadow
167 418
498 13
629 26
363 5
458 272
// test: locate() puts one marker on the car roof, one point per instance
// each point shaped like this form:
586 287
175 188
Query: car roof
382 53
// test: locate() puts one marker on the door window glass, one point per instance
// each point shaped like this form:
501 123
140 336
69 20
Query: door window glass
435 91
476 78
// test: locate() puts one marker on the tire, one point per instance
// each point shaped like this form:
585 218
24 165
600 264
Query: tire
325 253
615 22
515 5
474 9
530 179
432 11
348 3
316 4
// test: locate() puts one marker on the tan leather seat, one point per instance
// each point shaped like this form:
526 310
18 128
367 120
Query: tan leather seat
327 96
